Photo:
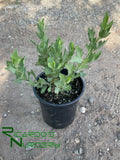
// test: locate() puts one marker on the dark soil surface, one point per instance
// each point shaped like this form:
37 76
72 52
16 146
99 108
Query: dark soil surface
64 97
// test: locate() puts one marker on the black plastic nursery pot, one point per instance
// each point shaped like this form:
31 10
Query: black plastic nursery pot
59 115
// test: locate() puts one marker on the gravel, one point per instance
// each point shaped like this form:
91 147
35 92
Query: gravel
118 135
77 140
90 100
4 115
83 110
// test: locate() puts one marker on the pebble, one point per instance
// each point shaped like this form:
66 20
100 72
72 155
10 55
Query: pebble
95 123
21 94
100 153
16 138
81 151
118 87
9 36
67 141
90 100
32 112
1 158
77 140
29 148
5 115
8 111
89 131
76 152
38 110
118 135
82 109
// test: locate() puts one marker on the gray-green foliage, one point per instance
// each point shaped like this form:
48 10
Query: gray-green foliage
53 57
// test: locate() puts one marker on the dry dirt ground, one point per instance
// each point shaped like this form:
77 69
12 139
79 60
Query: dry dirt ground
95 134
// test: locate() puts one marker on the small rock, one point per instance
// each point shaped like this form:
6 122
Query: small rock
73 154
8 111
90 100
77 140
38 110
76 152
5 115
9 36
16 138
67 141
80 157
116 140
32 112
89 131
21 94
106 107
100 153
82 109
81 151
55 134
118 87
29 148
1 158
118 135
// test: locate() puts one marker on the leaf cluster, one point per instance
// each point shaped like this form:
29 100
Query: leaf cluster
54 58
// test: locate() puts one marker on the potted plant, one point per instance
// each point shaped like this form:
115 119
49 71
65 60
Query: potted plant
60 86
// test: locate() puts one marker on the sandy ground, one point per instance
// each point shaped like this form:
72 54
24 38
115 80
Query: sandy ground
95 134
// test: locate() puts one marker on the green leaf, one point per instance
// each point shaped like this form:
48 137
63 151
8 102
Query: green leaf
43 89
10 67
42 81
31 72
91 34
71 68
71 49
96 55
100 44
82 74
105 20
57 90
49 89
79 51
15 59
105 28
68 80
51 63
93 42
18 81
76 59
49 79
59 66
64 78
47 71
84 66
33 42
